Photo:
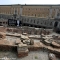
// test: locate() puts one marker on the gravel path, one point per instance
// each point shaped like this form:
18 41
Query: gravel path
36 55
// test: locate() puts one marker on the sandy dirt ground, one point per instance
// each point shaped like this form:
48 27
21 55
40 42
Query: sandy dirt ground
33 55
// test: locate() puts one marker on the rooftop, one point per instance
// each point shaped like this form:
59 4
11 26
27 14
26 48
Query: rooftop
31 5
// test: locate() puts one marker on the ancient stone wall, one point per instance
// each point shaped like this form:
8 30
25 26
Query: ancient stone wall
22 54
2 29
7 48
33 48
28 30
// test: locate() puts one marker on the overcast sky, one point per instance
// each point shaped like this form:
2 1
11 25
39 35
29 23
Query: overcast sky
29 2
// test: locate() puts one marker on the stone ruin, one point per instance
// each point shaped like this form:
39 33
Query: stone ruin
22 50
26 44
2 35
26 40
2 32
30 30
52 56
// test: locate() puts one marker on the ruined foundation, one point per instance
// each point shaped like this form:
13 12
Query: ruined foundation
26 42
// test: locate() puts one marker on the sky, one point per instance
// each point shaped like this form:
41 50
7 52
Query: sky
6 2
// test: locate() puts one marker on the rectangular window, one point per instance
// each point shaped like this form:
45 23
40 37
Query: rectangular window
37 22
34 21
31 20
29 9
35 14
27 20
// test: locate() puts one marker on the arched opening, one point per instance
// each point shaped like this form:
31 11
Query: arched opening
55 24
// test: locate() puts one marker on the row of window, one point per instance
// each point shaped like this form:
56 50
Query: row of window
34 21
35 9
7 13
3 22
38 9
39 15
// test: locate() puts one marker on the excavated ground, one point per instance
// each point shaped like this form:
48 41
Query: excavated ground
32 55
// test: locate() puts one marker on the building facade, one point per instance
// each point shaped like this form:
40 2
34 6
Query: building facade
43 11
9 9
30 15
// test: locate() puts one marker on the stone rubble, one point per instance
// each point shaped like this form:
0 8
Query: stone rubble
26 42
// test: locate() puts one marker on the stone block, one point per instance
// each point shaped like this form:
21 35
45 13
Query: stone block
22 50
2 35
22 54
2 29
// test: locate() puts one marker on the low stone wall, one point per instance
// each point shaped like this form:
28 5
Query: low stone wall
56 53
2 35
25 53
22 54
45 42
9 30
52 44
51 50
2 29
33 48
55 46
32 30
7 48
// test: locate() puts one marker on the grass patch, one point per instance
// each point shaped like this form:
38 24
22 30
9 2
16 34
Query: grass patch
36 57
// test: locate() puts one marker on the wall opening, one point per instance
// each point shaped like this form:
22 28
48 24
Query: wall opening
55 24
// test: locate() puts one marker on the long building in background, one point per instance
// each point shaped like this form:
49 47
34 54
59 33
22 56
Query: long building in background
30 10
46 16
